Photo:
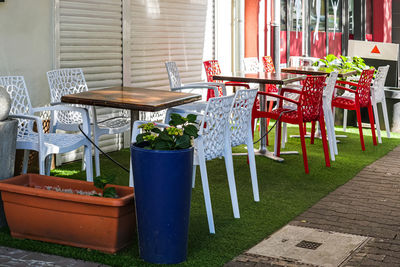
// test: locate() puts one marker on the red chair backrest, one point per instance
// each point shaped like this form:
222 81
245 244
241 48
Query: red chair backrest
212 68
269 67
311 98
268 64
364 87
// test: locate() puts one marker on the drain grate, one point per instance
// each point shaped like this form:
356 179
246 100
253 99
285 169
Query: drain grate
308 244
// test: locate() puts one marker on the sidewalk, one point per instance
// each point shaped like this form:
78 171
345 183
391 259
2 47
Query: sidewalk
22 258
368 205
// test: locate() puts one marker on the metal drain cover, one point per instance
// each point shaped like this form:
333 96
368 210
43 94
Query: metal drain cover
308 244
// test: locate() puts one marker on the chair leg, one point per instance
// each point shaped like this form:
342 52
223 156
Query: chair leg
42 160
278 136
206 192
376 117
25 161
324 141
88 161
385 117
96 154
358 112
332 119
284 135
231 182
253 170
194 176
344 119
270 106
312 133
303 147
131 183
331 140
372 122
48 164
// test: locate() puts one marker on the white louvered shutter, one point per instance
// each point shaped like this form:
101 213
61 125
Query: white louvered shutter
167 30
90 37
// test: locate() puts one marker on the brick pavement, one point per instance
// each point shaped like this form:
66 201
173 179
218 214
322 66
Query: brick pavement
368 205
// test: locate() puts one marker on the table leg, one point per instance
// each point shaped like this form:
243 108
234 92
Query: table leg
134 117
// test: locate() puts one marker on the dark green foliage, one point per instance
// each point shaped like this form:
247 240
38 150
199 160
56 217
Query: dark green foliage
178 136
101 182
342 63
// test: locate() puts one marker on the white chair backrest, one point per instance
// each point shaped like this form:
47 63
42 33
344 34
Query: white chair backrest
173 74
379 82
240 120
251 65
330 87
64 82
294 61
20 101
214 126
308 61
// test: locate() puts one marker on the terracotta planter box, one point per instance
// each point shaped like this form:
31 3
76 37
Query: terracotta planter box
104 224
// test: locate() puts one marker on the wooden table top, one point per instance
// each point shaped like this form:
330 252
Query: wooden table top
261 77
315 71
131 98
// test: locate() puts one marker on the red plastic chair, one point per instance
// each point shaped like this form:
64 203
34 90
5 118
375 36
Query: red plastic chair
269 67
212 68
309 109
361 99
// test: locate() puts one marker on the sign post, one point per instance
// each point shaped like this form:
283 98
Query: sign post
378 54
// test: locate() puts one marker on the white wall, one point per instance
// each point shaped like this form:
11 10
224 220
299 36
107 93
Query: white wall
26 30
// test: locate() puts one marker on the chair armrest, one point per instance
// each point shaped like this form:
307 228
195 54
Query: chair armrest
348 83
290 90
39 125
279 96
84 112
346 89
37 119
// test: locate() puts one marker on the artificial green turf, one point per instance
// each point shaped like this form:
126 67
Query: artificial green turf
285 192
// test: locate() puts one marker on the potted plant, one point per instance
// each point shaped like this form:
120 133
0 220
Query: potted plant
69 212
162 162
342 63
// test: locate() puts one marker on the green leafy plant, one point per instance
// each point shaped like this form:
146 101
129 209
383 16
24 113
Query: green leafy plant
101 182
178 135
342 63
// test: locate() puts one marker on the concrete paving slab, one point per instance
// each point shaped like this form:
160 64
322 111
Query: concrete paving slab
309 246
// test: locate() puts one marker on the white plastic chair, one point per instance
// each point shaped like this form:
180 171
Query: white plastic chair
214 142
251 65
45 144
176 85
377 96
327 108
70 81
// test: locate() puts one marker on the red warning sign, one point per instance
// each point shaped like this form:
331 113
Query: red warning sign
375 50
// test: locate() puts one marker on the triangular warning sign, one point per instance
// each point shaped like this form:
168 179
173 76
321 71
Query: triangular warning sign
375 50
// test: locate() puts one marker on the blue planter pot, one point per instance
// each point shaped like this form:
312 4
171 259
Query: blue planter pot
162 182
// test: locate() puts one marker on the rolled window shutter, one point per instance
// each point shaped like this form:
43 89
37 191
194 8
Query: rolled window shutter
90 37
